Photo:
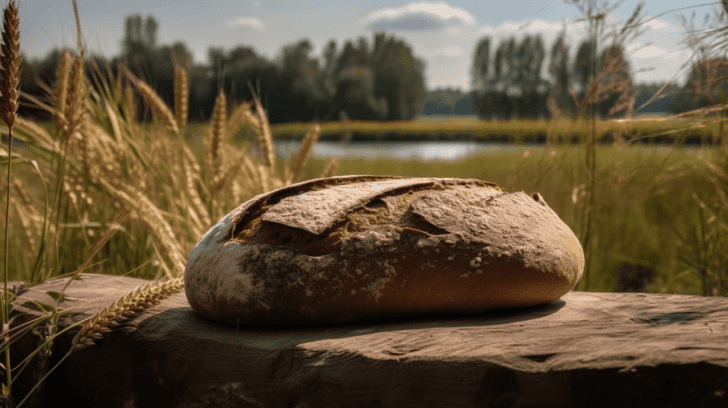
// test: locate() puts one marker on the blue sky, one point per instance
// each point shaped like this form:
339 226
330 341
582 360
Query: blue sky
444 34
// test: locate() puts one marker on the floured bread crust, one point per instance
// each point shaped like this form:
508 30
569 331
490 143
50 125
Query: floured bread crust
354 248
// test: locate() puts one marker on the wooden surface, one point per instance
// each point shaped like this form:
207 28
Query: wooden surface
587 349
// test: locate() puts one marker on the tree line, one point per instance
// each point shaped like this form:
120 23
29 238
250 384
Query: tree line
383 79
508 83
377 80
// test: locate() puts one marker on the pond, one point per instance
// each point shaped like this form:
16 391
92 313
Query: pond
431 150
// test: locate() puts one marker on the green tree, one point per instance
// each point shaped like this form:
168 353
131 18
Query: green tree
480 69
529 58
483 80
398 77
304 80
329 66
355 95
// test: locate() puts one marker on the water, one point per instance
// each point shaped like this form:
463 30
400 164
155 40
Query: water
432 150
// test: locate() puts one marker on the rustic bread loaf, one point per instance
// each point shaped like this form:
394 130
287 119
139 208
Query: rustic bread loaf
354 248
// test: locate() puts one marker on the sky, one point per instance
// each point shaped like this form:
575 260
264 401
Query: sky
443 34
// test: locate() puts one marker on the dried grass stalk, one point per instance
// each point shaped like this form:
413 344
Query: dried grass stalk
330 169
116 91
33 130
181 96
25 211
610 79
303 152
125 308
10 64
129 105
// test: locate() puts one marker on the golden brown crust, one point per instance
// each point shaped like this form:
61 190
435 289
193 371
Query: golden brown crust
362 247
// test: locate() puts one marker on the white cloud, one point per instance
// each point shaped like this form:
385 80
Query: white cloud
420 16
245 22
548 29
447 52
648 51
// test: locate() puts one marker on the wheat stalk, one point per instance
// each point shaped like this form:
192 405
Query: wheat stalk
25 212
118 88
237 163
10 60
150 215
33 130
181 95
129 105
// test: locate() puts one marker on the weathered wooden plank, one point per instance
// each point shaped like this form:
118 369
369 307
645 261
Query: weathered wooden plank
587 349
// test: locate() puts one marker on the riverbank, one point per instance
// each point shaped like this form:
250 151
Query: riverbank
690 131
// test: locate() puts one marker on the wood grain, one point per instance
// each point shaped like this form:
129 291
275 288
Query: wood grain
587 349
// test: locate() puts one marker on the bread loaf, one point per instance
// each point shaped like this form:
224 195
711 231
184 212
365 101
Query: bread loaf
356 248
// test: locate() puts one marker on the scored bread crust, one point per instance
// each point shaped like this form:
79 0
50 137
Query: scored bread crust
354 248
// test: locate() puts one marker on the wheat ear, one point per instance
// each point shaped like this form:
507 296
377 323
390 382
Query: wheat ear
259 120
75 105
235 121
61 91
127 307
181 96
213 137
10 64
303 152
158 106
113 315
